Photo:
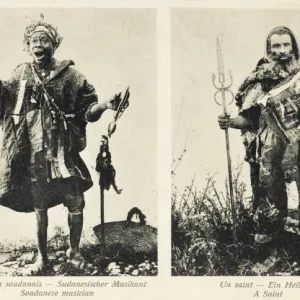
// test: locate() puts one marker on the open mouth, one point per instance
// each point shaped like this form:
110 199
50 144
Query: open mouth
39 55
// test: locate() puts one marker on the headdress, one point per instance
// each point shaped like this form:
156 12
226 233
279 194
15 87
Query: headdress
41 26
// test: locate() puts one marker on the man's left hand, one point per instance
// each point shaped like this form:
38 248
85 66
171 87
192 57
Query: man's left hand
114 102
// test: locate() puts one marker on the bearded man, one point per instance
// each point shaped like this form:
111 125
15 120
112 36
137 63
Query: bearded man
273 159
45 107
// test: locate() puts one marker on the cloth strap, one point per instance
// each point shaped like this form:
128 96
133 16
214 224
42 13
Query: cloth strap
278 90
22 84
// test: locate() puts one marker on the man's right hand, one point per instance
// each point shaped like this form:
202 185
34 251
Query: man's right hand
224 121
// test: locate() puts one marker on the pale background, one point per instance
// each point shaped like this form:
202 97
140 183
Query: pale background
164 286
113 48
242 34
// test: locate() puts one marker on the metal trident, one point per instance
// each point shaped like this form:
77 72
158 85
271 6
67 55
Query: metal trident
223 89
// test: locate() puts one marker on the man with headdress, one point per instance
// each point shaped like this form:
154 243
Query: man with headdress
273 160
44 109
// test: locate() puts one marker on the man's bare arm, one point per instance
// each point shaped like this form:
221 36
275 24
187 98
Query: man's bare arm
97 109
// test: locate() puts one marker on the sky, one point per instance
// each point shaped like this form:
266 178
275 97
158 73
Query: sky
242 35
114 49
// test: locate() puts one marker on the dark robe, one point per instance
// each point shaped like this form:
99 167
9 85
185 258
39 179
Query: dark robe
43 144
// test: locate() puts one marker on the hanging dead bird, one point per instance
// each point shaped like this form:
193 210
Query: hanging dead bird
104 166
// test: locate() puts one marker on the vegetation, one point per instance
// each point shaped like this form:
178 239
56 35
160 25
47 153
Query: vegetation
18 256
202 234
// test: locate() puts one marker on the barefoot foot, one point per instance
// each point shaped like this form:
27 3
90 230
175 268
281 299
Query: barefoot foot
76 259
40 267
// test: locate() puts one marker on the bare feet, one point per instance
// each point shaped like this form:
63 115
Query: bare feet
40 266
266 265
262 238
76 259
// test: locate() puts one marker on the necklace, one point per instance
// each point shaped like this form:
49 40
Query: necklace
45 70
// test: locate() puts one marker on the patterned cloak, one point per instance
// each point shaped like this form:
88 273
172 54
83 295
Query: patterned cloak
40 145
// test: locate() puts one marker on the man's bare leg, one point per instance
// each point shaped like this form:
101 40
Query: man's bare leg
42 226
75 221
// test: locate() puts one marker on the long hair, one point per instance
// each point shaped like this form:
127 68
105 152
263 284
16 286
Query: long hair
283 30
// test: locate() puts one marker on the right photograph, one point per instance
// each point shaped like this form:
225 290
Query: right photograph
235 134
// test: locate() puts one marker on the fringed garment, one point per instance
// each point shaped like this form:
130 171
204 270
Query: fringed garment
43 135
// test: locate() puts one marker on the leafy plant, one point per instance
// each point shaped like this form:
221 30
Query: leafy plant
202 230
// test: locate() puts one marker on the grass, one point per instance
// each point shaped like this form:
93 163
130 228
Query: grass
202 234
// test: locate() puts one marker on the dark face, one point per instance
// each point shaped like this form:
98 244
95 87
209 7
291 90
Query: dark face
41 48
281 47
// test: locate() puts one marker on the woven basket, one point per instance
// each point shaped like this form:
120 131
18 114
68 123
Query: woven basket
129 237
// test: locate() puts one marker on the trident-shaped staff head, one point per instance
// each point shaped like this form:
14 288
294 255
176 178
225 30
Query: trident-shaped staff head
221 88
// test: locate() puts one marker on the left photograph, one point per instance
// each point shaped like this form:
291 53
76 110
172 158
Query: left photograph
78 183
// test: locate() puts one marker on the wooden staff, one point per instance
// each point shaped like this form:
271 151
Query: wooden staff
223 89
